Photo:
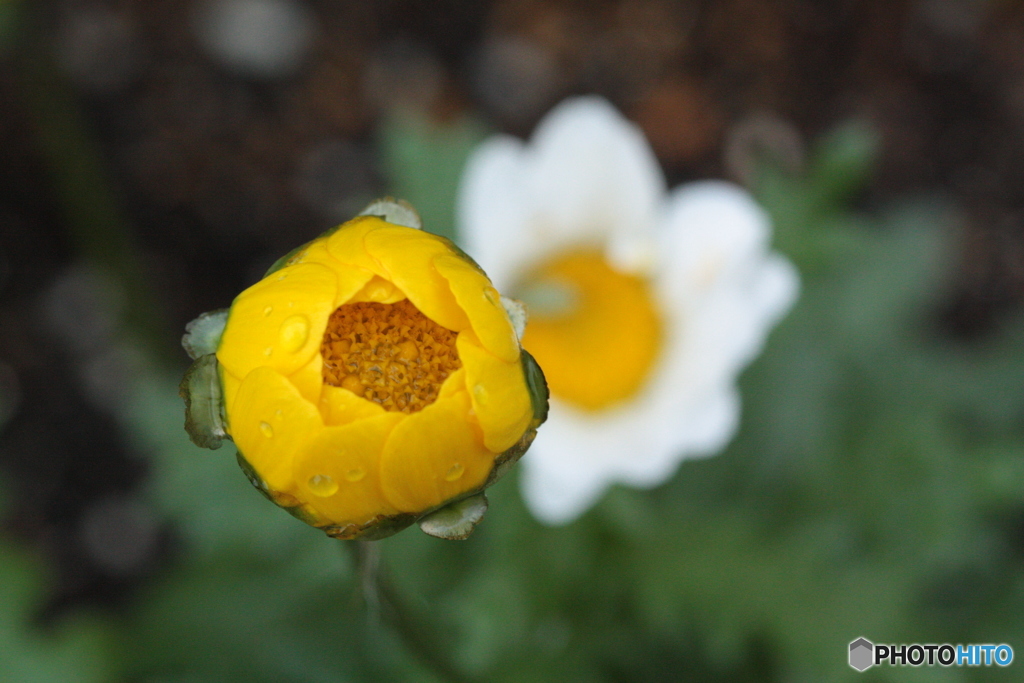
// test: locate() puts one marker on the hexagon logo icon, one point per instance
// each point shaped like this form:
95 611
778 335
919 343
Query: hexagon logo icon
861 654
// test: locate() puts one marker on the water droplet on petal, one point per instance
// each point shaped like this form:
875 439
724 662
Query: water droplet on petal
492 296
454 472
355 474
323 485
267 430
480 394
267 351
268 310
293 333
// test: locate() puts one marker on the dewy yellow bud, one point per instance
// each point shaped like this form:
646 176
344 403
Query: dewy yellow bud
373 378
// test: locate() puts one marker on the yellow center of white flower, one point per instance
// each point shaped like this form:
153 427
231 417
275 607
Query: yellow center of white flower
390 354
593 329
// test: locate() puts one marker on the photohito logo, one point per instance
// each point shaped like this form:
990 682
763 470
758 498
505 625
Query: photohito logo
861 654
865 654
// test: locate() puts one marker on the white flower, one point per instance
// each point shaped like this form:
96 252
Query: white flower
644 305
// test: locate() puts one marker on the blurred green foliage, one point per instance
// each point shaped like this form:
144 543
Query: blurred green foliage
424 160
876 488
75 649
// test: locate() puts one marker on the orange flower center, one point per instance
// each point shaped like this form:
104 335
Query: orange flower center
595 330
390 354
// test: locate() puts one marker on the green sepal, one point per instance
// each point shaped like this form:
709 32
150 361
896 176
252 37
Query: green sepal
394 211
293 255
286 259
255 479
204 403
504 462
202 335
455 522
538 387
299 512
461 254
374 530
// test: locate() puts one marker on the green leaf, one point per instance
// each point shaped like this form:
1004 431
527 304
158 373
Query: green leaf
843 162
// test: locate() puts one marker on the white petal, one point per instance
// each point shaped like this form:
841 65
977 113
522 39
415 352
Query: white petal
558 495
578 455
777 289
709 230
587 177
701 430
746 308
720 288
492 209
570 463
593 179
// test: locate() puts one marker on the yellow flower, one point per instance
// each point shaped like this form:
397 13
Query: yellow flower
374 377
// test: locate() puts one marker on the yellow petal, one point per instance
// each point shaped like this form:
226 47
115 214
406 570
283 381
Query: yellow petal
380 291
406 256
279 321
434 455
498 393
337 473
309 379
482 304
455 383
270 422
347 244
351 280
229 385
339 406
316 252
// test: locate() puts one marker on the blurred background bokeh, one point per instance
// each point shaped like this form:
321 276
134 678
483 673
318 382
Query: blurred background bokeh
157 155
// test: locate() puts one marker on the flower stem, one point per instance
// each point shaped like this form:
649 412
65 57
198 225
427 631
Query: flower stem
385 607
368 565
